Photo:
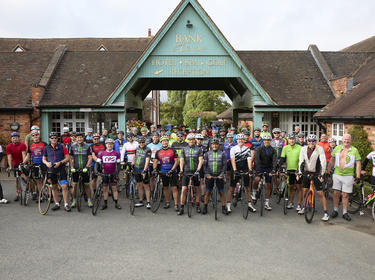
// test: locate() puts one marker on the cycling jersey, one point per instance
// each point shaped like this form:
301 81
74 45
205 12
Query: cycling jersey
140 158
352 156
97 149
241 156
314 163
248 144
278 145
178 146
291 153
128 151
326 148
16 151
154 148
166 158
191 158
215 163
88 139
80 154
36 152
109 159
56 153
256 142
117 146
65 139
265 158
227 148
205 144
147 138
370 156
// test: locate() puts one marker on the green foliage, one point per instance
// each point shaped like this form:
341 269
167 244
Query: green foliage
171 111
360 141
205 104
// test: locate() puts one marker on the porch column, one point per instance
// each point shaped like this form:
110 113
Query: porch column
45 126
121 121
257 118
235 118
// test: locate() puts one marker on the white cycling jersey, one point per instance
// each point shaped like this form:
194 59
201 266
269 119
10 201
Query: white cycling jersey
371 156
129 149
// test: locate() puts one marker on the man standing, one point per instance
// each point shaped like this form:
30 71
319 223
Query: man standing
256 141
346 160
88 137
325 145
28 138
16 152
111 135
119 142
265 130
301 139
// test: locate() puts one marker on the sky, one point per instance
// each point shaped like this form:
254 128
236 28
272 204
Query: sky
247 24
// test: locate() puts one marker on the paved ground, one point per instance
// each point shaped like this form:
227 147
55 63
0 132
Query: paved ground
115 245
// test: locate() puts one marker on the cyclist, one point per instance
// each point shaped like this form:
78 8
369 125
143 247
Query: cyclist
2 199
141 162
65 138
247 139
313 161
88 137
215 165
168 162
277 142
290 155
240 157
119 142
256 141
16 152
55 156
191 162
154 146
325 145
95 149
265 161
73 139
179 144
227 147
233 131
370 156
128 150
332 144
28 138
221 138
80 158
109 160
301 139
347 162
112 134
265 130
206 139
144 133
35 152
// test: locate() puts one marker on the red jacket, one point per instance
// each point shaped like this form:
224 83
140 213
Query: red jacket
326 148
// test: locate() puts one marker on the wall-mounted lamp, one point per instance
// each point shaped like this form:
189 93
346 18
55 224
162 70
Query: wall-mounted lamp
14 126
189 24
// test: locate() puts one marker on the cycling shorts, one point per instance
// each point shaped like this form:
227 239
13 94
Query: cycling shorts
109 178
306 183
210 184
54 173
293 179
185 181
85 177
267 170
169 180
235 179
139 177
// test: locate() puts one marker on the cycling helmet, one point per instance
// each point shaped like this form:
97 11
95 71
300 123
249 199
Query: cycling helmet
162 129
15 134
246 132
275 130
301 134
35 127
190 136
144 129
109 140
257 129
155 134
80 134
53 134
331 140
73 133
153 126
240 136
89 130
96 135
266 137
34 132
141 139
311 137
222 130
65 129
291 136
266 124
215 141
130 135
120 132
180 133
229 135
199 136
175 127
163 138
113 128
233 129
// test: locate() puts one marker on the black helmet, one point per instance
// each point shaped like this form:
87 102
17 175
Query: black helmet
141 139
215 141
130 135
53 134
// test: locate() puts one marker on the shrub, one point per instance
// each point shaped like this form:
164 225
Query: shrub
360 141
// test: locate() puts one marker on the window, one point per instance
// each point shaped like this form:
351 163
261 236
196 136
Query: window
80 115
306 123
56 127
338 131
69 124
55 116
68 115
80 127
102 48
18 48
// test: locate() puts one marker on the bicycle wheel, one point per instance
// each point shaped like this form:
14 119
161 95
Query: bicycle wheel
132 197
214 202
355 200
28 193
280 191
373 211
285 197
44 199
245 207
189 200
98 196
156 196
22 187
261 198
78 195
309 206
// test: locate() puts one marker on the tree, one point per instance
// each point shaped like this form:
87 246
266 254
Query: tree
205 104
360 141
171 111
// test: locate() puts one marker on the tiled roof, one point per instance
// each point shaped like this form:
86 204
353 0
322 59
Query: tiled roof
367 45
289 77
18 73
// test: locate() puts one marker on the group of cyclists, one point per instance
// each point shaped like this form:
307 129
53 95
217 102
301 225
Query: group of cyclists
203 158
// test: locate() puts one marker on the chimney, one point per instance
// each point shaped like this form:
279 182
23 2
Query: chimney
149 32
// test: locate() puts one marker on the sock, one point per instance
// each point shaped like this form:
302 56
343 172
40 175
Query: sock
105 202
66 204
336 209
89 199
326 212
74 200
205 205
115 201
344 211
267 200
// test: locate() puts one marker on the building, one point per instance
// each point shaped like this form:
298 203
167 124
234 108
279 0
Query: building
94 82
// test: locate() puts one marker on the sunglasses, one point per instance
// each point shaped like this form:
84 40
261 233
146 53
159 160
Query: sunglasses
276 133
312 141
34 135
53 138
141 142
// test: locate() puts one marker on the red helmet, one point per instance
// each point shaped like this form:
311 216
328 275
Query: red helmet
96 135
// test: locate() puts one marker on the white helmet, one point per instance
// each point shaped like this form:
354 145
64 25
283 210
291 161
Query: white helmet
35 127
65 129
240 136
266 137
311 137
190 136
199 136
90 130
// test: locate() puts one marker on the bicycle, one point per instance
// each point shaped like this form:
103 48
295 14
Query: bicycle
283 190
358 201
327 186
28 171
261 194
214 196
190 195
45 196
132 193
21 184
156 193
98 196
240 193
310 199
80 190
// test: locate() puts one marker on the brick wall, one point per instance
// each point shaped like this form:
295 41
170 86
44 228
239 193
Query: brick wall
7 118
369 128
340 85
